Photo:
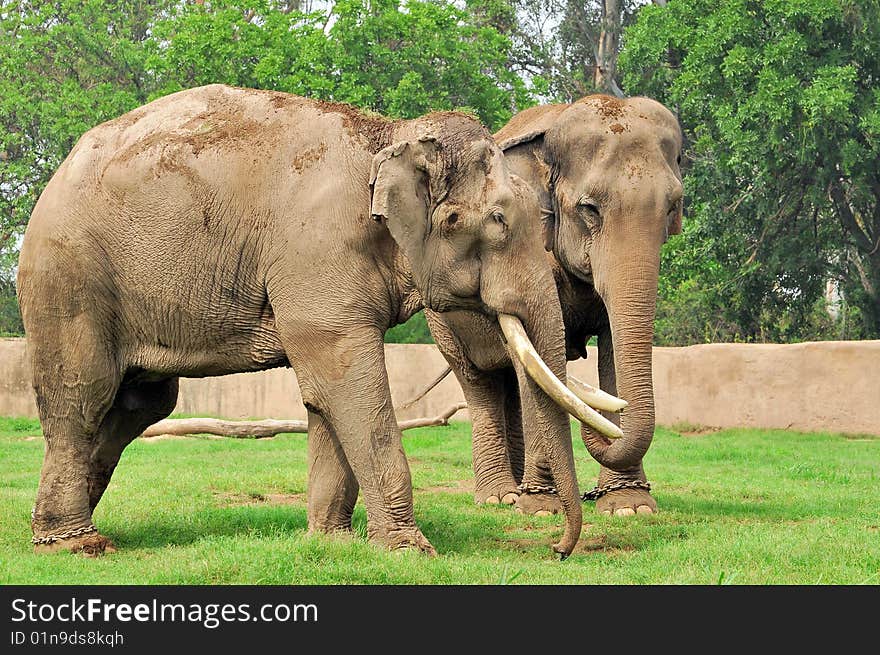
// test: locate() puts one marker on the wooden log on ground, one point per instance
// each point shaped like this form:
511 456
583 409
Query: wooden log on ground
268 427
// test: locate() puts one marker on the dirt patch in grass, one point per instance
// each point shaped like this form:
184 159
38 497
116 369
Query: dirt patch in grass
861 437
541 528
587 545
454 487
693 430
255 498
601 543
522 545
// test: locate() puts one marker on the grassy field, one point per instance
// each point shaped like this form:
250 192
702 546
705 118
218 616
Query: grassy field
737 507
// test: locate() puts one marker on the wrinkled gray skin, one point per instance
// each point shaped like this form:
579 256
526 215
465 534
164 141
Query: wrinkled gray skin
220 230
607 170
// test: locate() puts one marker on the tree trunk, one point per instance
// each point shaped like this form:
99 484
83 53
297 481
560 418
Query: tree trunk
607 49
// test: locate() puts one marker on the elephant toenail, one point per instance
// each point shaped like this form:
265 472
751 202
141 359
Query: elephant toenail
510 499
493 500
625 511
543 512
606 512
644 509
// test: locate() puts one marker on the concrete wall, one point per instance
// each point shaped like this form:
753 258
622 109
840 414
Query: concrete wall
832 386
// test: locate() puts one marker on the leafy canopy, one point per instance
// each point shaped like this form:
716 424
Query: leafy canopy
780 100
67 65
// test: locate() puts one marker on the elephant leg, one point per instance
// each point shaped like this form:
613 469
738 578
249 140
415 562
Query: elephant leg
346 384
136 407
332 487
494 480
75 380
537 495
486 393
516 449
629 498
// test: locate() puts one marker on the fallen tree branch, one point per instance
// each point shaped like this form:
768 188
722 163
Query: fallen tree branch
268 427
424 392
441 419
235 429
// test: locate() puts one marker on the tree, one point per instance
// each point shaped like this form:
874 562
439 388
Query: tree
64 66
567 48
397 58
68 65
780 102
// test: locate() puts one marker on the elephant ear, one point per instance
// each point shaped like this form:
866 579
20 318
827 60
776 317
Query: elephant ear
528 125
400 194
675 223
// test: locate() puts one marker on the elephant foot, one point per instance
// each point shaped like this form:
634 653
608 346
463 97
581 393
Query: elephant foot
626 502
498 495
410 538
88 545
539 504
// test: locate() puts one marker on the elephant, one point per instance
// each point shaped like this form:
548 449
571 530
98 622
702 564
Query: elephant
220 230
607 172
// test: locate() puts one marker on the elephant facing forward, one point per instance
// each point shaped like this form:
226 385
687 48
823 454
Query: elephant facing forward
607 175
220 230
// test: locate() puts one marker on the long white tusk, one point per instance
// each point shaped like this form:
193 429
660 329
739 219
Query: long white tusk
595 398
519 341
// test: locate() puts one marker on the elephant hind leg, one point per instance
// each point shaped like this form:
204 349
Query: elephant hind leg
75 379
135 408
332 488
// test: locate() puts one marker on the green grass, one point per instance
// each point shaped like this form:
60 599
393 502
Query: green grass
737 507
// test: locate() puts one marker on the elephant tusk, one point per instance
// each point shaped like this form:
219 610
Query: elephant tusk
522 347
595 398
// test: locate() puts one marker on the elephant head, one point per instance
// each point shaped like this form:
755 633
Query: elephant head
465 227
608 173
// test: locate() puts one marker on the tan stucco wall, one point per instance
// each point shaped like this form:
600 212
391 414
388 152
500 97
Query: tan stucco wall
812 386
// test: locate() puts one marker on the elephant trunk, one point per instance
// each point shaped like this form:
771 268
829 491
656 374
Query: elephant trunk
631 301
530 319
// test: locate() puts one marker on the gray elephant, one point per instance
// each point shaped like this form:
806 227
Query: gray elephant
607 174
220 230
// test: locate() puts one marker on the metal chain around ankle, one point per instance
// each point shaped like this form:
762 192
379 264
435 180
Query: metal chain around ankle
526 488
52 538
597 492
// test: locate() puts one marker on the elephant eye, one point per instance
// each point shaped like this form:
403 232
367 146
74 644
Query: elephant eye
498 217
589 211
452 219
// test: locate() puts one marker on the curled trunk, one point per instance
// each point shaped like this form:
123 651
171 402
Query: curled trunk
631 315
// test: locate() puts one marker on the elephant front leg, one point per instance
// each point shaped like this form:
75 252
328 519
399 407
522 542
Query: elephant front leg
537 489
621 493
496 474
332 486
494 479
347 386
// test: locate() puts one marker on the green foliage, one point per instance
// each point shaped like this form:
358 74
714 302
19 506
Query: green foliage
780 102
398 58
415 330
68 65
759 506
